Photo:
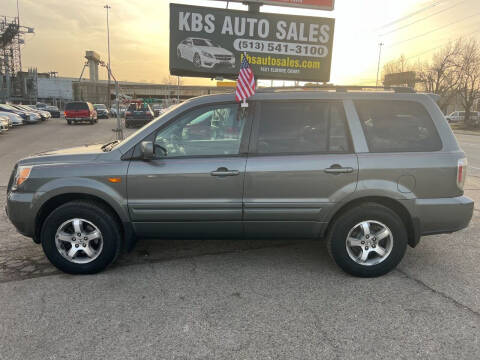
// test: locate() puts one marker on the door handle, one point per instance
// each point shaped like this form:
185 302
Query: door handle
337 169
223 171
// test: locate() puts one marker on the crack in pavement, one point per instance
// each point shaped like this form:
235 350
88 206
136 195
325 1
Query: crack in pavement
438 292
151 261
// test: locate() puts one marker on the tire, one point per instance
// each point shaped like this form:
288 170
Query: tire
92 216
381 221
69 122
179 54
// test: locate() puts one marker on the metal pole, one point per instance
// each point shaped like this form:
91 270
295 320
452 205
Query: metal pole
379 57
119 125
178 89
108 66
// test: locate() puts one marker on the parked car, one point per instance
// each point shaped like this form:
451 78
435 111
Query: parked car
459 116
27 116
138 114
205 53
157 110
360 169
53 110
102 111
80 111
5 124
456 116
45 115
15 119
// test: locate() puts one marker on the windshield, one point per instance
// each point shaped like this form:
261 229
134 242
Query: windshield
152 123
99 106
201 42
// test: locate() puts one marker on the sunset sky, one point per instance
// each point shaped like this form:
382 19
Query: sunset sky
139 33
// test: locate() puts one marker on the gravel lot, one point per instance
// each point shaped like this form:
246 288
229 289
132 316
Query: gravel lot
232 299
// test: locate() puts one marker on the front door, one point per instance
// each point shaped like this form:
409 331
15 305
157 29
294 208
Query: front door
194 187
301 161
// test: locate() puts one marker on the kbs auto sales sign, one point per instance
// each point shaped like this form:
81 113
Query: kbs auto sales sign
209 42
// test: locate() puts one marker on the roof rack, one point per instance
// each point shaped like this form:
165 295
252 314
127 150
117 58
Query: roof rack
338 88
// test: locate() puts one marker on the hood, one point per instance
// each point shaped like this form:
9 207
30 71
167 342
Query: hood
75 154
215 50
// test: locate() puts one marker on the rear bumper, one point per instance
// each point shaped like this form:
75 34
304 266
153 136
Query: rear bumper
137 122
445 215
79 119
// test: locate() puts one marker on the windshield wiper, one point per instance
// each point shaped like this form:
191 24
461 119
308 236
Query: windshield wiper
109 146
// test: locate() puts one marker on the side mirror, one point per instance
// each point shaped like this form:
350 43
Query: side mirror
146 147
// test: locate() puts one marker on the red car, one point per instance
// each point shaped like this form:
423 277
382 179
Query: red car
80 111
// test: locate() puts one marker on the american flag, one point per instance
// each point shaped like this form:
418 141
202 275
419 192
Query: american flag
245 81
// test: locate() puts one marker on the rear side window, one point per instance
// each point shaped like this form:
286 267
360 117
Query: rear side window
77 106
302 127
397 126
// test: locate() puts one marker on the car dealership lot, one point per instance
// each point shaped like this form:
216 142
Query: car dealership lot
233 299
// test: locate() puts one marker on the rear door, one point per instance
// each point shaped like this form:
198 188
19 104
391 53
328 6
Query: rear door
301 162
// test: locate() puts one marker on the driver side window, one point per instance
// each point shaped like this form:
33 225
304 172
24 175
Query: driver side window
207 131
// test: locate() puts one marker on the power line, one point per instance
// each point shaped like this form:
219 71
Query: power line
440 45
412 14
421 19
434 30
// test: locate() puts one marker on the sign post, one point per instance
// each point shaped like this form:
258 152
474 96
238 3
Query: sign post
210 42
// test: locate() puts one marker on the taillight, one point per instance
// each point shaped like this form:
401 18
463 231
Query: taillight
461 172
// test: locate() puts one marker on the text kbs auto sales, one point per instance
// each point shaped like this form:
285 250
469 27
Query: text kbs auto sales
239 26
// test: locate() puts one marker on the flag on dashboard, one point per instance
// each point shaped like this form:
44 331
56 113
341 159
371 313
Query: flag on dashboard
245 81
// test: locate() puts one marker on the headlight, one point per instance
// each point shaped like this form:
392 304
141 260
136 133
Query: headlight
22 174
206 54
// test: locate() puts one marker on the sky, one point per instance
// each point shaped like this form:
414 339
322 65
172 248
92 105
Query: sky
139 34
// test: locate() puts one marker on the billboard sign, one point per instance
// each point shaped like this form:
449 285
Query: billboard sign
309 4
210 42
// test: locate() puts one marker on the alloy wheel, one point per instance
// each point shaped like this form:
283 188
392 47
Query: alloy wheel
79 241
369 242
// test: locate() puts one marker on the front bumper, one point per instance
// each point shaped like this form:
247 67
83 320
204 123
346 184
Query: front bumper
21 213
210 63
445 215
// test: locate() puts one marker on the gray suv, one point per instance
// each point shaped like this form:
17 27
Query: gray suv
371 172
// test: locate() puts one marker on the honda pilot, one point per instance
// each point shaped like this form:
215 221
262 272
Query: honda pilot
371 172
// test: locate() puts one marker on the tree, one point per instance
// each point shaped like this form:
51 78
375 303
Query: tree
468 65
397 66
441 75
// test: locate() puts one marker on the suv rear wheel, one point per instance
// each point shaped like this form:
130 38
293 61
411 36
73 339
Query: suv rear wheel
368 240
81 237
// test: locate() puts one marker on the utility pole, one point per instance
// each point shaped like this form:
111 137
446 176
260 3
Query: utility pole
379 57
108 65
178 89
18 38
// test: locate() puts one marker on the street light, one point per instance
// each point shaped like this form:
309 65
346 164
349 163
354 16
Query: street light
108 65
379 56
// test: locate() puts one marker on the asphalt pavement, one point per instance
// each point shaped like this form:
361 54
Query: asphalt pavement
234 299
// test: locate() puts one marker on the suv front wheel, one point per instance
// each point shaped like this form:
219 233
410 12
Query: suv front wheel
368 240
81 237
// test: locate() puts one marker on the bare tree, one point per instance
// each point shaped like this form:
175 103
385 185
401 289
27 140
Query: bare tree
468 65
441 75
172 80
396 66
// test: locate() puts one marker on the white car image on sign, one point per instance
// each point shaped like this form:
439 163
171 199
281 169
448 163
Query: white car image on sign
204 53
